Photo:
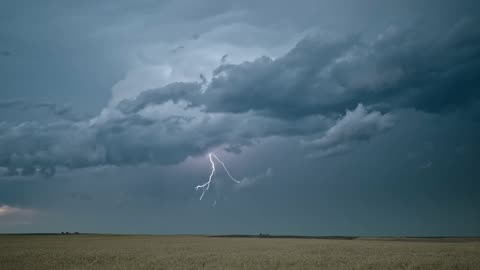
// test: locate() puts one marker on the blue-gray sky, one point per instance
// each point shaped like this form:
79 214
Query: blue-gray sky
337 117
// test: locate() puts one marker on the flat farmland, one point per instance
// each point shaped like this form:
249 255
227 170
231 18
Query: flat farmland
202 252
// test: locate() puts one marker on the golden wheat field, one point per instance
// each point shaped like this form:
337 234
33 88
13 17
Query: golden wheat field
201 252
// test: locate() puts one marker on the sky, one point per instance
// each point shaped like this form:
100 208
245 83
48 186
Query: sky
334 117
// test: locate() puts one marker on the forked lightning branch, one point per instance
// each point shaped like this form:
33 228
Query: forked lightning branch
205 186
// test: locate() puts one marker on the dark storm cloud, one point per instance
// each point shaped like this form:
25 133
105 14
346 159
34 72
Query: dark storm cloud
132 139
299 94
356 126
426 69
283 87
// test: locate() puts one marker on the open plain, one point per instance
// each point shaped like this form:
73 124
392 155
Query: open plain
201 252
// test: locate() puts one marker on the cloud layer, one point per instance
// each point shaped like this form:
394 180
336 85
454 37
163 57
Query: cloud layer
415 67
331 93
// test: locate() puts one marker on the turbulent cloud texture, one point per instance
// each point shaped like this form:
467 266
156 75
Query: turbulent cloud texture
296 95
356 126
417 67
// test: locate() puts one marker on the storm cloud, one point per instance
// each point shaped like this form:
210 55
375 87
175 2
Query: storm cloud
414 67
150 137
328 111
356 126
331 93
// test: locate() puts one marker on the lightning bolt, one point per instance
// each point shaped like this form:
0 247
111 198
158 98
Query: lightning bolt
225 167
205 186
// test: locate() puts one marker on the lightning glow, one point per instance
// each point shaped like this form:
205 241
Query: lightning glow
205 186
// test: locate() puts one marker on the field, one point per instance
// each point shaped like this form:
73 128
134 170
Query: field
201 252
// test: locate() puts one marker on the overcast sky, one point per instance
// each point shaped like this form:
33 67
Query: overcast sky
335 117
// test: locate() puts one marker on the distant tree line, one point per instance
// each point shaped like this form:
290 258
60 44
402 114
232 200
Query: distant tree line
68 233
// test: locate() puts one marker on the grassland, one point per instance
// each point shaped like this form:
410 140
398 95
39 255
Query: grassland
198 252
